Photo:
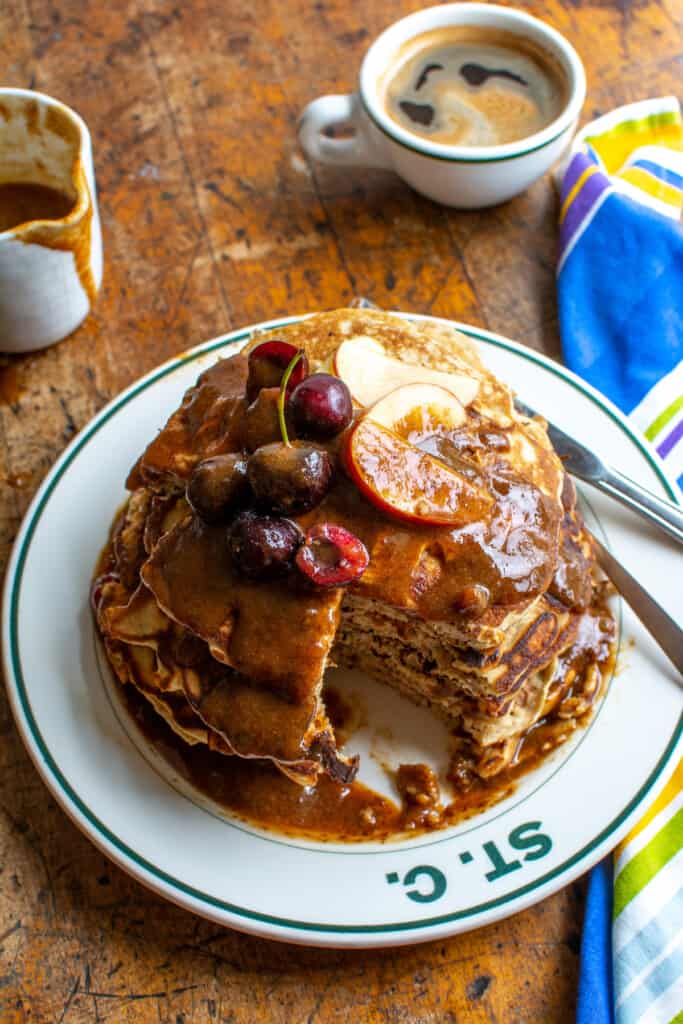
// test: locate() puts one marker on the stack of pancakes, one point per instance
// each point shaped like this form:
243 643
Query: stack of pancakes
494 624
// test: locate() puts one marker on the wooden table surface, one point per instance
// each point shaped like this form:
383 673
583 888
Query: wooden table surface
213 220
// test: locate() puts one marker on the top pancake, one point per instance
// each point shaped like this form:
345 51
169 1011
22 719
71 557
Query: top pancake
423 569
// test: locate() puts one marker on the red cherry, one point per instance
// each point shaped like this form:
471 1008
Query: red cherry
263 547
267 363
332 556
99 585
321 406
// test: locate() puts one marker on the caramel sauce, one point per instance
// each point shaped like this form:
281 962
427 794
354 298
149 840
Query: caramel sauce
512 550
21 202
256 792
46 216
10 384
70 234
278 634
209 422
18 481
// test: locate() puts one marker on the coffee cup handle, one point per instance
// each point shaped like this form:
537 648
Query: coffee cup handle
359 149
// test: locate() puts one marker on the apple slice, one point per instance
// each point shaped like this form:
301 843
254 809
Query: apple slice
400 478
370 373
416 410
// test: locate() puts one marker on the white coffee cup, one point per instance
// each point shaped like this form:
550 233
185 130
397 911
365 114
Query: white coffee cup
50 270
463 176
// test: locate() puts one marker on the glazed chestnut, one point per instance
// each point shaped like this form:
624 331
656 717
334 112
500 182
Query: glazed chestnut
218 486
289 479
261 424
264 547
267 363
321 406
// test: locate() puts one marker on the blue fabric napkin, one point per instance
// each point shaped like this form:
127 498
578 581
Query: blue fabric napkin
620 295
596 989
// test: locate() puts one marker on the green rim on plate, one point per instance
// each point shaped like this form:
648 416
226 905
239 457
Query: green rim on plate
107 840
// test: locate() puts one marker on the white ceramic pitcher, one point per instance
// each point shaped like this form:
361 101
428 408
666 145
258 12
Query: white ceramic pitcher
50 270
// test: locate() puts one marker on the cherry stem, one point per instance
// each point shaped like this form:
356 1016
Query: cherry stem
282 397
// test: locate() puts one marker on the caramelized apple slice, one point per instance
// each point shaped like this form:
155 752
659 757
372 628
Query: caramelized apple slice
408 483
416 410
370 373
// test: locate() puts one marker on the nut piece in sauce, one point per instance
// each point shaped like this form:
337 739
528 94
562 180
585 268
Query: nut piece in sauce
420 794
218 486
417 784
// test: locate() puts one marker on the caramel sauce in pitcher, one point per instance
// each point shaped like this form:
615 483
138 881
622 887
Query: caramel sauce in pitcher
22 202
73 235
52 212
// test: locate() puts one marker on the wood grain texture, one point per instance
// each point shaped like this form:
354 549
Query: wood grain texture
212 219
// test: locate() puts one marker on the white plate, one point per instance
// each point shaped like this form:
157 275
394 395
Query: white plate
561 819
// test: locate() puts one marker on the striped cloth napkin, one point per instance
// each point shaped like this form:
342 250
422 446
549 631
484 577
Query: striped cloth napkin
620 293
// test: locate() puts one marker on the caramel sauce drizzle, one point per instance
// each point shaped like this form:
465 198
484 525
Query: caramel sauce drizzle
71 234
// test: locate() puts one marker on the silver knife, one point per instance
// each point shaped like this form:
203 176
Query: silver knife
658 622
586 465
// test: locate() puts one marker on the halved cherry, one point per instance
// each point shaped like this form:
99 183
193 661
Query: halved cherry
370 373
332 556
267 363
399 477
98 586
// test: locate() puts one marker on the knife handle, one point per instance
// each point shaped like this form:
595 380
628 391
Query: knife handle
662 513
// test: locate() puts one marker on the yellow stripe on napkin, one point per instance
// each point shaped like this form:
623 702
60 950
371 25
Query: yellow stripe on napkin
651 185
616 144
576 188
673 787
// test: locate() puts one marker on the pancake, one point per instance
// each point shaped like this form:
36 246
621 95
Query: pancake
494 622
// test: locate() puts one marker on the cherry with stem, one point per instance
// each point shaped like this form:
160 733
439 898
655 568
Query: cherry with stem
282 397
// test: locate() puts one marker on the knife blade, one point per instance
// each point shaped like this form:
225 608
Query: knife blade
586 465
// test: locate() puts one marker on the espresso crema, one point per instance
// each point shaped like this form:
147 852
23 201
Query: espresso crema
470 86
